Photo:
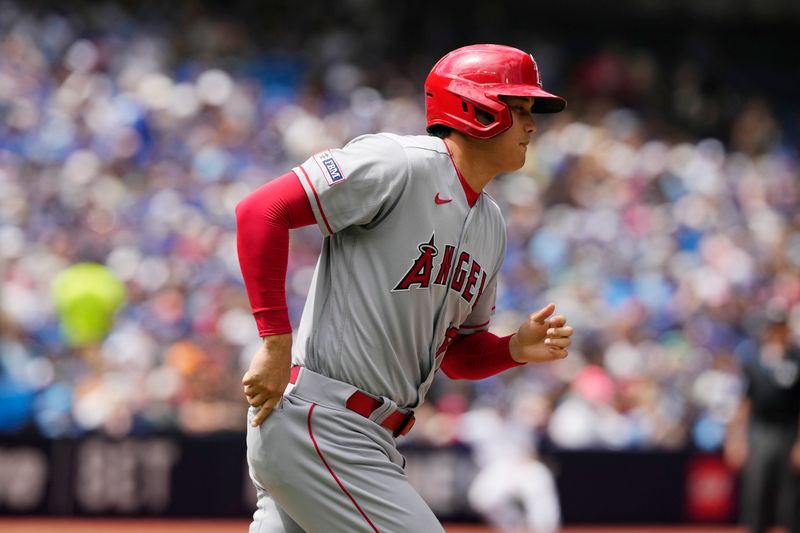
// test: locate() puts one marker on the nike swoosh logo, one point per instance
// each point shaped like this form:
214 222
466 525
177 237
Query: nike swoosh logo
441 201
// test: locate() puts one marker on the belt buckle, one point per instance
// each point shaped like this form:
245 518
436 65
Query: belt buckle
405 427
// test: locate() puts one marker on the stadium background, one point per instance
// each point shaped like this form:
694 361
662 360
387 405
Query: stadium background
659 211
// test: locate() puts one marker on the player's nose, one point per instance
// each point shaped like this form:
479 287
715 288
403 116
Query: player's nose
530 125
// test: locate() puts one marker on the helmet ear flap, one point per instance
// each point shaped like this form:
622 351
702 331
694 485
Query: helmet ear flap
484 117
489 114
478 113
457 104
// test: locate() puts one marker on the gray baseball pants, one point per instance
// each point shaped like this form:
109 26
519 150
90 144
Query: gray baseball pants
319 467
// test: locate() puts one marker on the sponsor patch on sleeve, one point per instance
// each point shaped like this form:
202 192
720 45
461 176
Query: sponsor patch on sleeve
330 168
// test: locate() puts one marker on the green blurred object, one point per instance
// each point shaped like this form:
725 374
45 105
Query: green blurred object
86 296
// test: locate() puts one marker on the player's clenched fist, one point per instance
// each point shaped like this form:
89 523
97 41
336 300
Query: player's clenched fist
266 379
541 337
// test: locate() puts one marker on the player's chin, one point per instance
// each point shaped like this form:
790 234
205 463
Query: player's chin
517 164
521 156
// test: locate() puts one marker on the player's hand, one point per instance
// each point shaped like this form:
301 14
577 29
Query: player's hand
268 375
541 337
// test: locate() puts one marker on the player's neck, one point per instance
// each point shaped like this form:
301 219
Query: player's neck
476 169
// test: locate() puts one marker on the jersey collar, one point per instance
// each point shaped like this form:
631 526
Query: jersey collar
472 196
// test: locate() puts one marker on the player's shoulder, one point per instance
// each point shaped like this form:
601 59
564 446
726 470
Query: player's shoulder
426 155
408 145
418 142
378 142
413 151
377 150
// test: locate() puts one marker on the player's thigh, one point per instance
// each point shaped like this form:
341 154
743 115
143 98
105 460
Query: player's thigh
343 475
270 518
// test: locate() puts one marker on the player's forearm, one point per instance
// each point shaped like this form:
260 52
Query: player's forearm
477 356
263 249
263 220
279 344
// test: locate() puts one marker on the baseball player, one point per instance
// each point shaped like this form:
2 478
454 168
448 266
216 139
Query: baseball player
405 284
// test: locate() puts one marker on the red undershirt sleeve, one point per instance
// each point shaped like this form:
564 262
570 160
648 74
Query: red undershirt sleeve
263 220
477 356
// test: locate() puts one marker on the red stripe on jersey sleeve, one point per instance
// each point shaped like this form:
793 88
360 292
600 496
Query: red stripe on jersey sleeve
316 197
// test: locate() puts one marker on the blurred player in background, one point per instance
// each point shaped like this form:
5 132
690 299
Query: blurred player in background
405 283
513 490
764 436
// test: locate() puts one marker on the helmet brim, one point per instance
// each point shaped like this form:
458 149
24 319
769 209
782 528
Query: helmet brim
543 101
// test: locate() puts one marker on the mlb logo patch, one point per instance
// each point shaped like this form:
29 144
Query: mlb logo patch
330 168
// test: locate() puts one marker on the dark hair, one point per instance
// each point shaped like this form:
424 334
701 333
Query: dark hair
439 130
442 131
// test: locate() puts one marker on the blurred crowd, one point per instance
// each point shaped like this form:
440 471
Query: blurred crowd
665 247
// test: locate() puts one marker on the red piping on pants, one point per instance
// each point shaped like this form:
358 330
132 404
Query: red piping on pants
335 477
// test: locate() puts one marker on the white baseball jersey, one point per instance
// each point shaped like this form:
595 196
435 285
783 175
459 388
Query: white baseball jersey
406 263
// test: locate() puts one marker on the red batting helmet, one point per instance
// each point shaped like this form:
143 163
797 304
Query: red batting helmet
476 76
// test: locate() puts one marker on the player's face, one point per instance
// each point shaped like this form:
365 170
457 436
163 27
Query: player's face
510 147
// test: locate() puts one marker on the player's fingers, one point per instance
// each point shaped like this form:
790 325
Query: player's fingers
540 315
265 411
558 353
556 321
560 342
250 379
560 332
252 390
257 399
